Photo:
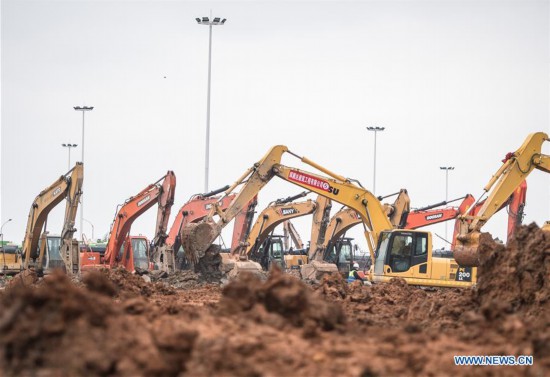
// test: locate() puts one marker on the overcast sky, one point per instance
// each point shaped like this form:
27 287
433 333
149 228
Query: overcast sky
455 83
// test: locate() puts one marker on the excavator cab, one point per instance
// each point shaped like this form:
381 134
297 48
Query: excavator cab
341 253
271 251
134 253
408 254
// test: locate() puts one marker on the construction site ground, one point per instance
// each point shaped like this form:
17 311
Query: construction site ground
112 323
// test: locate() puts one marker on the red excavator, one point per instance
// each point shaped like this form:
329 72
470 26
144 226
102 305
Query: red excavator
133 251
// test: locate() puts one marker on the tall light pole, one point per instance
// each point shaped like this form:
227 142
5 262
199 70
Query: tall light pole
446 168
2 241
376 130
69 146
206 21
83 109
92 228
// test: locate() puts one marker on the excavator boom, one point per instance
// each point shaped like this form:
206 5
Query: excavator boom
198 238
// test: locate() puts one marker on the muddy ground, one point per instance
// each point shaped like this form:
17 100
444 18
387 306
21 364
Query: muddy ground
115 324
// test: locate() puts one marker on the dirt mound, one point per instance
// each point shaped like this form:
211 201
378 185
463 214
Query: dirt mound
62 329
116 324
281 294
125 283
516 279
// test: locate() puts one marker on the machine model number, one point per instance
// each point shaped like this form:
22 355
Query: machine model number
464 274
312 181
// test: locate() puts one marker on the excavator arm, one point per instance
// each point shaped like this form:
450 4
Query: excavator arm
161 254
516 167
319 224
290 231
199 237
67 186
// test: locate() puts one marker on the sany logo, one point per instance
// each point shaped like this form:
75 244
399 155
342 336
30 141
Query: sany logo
288 211
434 217
56 191
144 200
312 181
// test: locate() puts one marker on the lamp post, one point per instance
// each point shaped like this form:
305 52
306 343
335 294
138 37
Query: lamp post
446 168
92 228
2 241
83 109
206 21
69 146
375 130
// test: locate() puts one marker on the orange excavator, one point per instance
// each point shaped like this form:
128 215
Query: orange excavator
132 251
196 209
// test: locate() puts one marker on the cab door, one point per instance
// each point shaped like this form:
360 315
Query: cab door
419 259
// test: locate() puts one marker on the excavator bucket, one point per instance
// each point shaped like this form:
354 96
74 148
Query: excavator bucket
316 269
469 248
196 238
466 252
244 266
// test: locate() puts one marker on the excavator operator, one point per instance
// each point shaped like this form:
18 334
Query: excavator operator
354 274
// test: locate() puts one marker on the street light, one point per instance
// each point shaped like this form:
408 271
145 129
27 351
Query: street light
215 22
92 228
446 168
83 109
376 130
2 241
69 146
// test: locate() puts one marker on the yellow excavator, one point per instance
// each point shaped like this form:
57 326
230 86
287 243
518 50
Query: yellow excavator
399 253
515 168
265 249
69 187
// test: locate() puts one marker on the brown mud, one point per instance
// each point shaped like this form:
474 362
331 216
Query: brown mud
117 324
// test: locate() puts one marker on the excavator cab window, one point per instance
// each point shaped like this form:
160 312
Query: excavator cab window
54 252
421 246
400 252
276 250
141 257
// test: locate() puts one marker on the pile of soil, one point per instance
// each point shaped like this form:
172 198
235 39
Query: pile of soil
125 284
289 298
65 330
116 324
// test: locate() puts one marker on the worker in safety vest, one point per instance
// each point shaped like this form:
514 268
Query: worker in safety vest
353 274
